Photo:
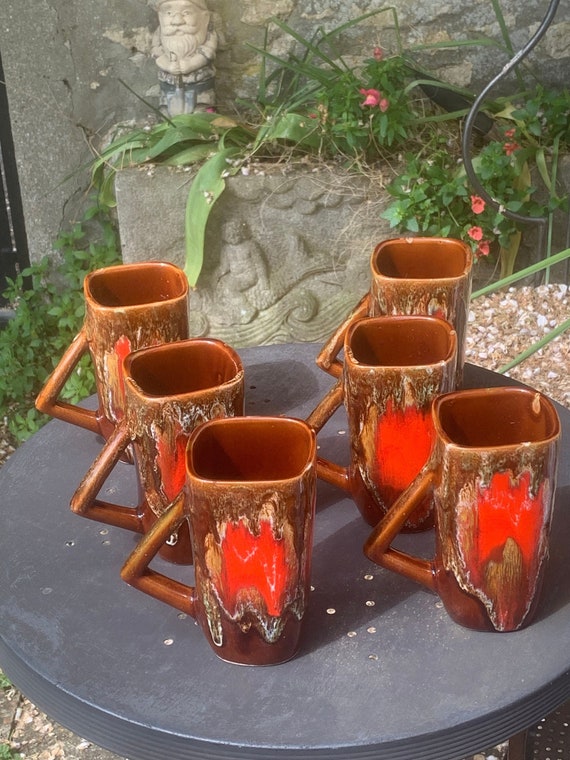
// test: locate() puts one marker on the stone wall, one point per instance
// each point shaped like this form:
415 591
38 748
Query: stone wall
64 61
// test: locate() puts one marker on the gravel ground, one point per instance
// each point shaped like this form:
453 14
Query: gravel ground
500 326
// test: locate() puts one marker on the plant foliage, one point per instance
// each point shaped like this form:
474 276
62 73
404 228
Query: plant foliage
49 308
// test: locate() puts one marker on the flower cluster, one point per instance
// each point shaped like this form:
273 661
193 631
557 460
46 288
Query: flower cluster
367 111
510 146
476 233
374 98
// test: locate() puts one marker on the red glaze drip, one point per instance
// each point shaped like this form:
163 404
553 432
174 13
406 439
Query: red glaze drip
404 440
502 547
122 349
172 464
253 567
506 510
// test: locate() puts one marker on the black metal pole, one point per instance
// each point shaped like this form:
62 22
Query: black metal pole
476 184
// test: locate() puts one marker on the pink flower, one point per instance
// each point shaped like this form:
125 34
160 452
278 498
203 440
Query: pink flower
510 132
475 233
372 98
477 204
483 248
384 104
510 147
378 53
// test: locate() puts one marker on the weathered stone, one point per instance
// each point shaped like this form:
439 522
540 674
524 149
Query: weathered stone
286 254
64 63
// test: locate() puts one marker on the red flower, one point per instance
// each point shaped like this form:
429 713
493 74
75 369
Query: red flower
510 147
475 233
372 98
477 204
378 53
483 248
510 133
384 104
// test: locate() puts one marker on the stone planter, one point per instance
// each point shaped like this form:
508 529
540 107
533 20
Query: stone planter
287 250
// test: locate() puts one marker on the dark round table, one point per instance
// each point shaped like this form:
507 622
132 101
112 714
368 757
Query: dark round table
382 672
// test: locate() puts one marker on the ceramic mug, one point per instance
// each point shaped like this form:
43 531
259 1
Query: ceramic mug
127 307
169 390
251 501
416 275
393 369
493 478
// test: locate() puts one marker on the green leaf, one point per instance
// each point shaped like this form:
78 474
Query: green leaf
206 188
191 155
301 130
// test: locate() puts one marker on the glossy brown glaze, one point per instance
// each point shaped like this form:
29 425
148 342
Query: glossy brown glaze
492 475
169 391
394 367
251 501
127 307
416 275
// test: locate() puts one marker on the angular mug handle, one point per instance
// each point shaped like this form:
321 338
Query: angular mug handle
329 471
377 545
327 358
84 501
47 400
136 571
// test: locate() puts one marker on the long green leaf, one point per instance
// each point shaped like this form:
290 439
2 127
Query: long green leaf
522 273
173 138
319 54
190 155
206 188
536 346
291 127
451 44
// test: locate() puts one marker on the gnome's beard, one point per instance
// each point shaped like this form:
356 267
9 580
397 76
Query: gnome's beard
179 46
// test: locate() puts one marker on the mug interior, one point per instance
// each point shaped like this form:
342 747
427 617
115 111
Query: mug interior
421 259
401 341
496 417
183 367
136 285
241 449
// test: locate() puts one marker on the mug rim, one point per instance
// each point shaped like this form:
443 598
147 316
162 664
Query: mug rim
182 346
245 421
129 268
451 243
498 391
409 319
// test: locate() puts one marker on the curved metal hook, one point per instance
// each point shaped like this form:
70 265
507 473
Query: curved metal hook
469 122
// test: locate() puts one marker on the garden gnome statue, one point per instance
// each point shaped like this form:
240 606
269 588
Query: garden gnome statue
184 46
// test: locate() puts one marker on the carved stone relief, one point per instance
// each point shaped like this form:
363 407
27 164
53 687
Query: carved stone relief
286 255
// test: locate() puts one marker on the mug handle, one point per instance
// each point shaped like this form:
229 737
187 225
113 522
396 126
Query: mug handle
327 357
84 501
136 571
377 545
329 471
47 400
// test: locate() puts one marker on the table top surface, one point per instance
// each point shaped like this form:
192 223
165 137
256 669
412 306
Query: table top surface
382 671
